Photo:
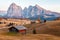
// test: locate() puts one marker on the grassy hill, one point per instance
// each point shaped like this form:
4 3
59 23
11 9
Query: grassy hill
50 27
45 31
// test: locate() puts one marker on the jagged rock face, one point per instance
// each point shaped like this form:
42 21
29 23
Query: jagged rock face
33 12
14 11
25 13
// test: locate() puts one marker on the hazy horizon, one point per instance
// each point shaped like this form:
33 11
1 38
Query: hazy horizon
53 5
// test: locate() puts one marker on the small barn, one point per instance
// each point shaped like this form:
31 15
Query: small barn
20 29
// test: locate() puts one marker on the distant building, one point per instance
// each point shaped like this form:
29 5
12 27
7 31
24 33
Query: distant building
38 21
33 21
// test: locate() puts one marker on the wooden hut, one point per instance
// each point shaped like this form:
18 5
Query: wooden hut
20 29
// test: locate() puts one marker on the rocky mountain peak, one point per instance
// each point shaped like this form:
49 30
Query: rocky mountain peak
14 11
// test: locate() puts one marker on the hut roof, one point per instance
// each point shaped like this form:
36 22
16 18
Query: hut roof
20 27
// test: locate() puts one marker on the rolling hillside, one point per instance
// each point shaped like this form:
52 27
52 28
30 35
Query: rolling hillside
45 31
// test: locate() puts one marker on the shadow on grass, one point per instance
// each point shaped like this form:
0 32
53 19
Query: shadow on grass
11 34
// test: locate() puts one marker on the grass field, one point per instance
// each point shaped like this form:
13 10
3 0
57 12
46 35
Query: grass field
45 31
29 37
50 27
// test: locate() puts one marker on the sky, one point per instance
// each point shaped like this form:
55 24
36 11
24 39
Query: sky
53 5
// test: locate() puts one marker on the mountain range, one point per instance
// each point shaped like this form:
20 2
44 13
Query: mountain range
32 12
